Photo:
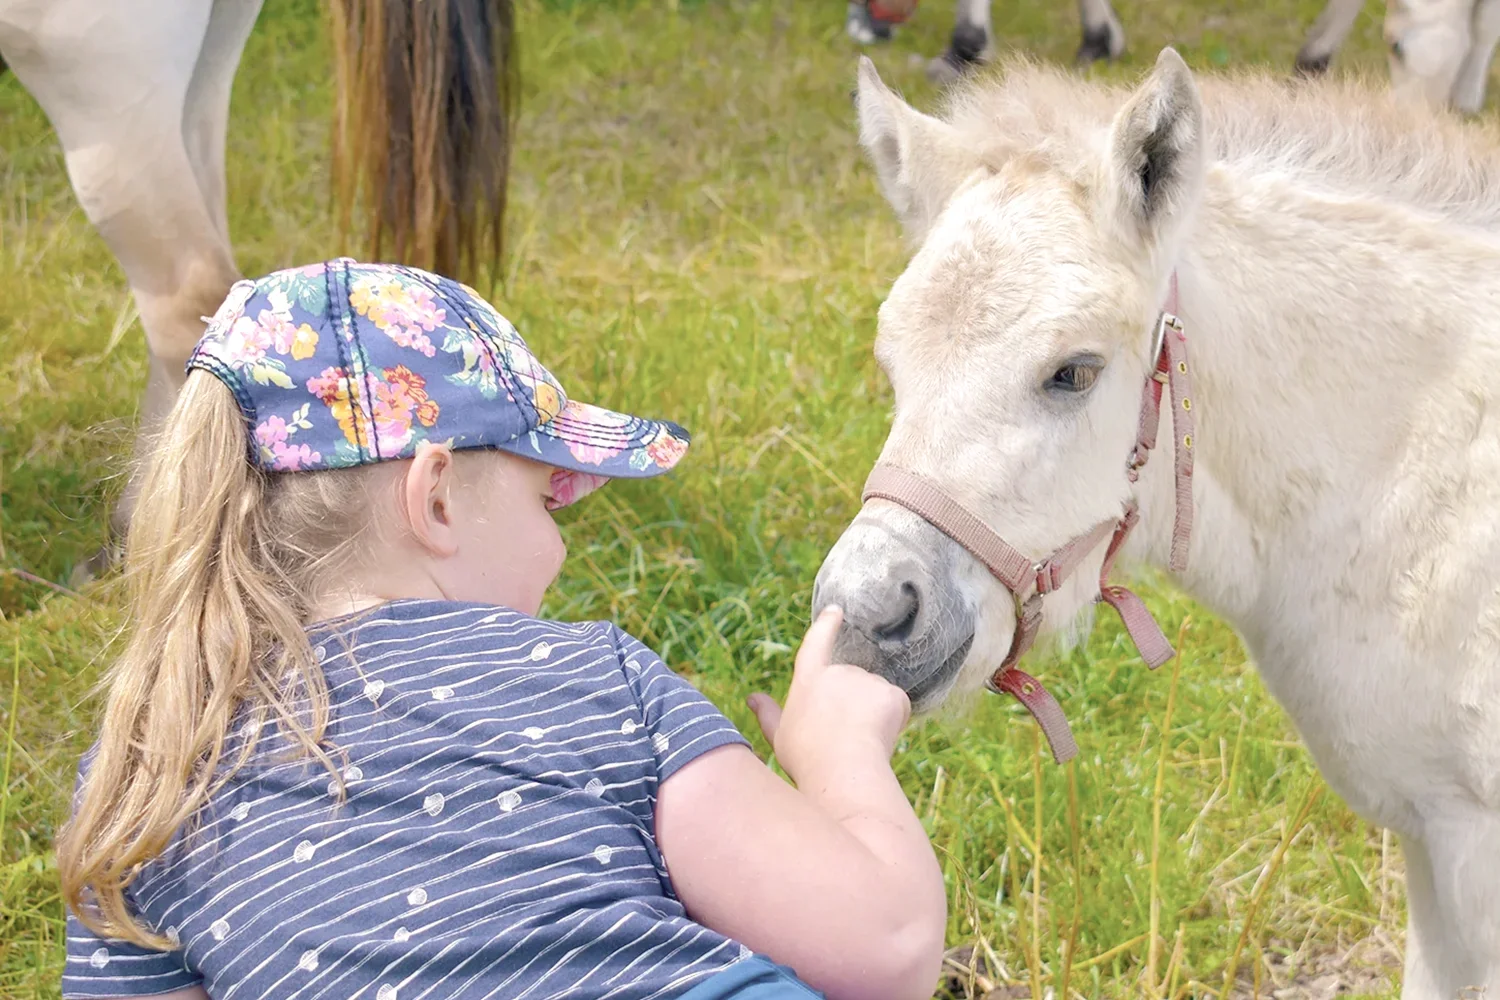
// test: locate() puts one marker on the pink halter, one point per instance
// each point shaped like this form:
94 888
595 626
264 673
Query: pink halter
1030 581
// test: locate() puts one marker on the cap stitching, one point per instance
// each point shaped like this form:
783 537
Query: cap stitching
330 285
637 440
364 370
336 303
216 367
483 335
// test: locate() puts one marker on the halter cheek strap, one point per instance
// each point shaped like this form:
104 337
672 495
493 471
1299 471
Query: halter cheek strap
1029 581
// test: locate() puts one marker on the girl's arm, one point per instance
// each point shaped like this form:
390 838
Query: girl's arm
835 877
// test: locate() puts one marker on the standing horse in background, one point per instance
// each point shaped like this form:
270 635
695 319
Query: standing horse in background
138 92
1439 51
1335 263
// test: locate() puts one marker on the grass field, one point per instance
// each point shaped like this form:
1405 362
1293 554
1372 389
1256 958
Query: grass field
695 235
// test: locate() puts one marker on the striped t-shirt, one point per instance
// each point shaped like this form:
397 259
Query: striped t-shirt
496 840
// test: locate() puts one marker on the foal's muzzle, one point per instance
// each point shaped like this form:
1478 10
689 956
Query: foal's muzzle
905 616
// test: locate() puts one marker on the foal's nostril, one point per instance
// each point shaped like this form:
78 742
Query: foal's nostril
899 627
1395 46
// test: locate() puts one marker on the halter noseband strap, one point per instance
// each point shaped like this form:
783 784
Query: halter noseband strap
1029 581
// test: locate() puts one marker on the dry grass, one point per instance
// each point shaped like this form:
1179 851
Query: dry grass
694 234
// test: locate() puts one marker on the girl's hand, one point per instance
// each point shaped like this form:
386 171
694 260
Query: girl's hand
832 709
835 877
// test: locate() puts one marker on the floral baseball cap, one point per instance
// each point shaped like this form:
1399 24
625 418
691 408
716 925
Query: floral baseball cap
341 364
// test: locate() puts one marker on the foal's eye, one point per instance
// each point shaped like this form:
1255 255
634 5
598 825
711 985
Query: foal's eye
1075 376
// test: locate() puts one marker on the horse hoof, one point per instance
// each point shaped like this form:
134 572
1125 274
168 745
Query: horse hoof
1105 40
1094 46
945 69
1310 65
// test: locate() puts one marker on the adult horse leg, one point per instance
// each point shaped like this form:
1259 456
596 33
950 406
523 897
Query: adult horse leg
1474 73
1427 41
967 46
1452 882
205 119
1327 36
1426 938
208 273
114 80
1103 34
1452 902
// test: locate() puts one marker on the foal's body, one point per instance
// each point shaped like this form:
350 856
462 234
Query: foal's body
1339 269
1347 367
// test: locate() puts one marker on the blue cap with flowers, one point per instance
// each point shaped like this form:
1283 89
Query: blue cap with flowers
341 364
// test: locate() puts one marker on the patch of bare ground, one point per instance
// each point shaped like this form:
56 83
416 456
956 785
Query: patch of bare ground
1370 967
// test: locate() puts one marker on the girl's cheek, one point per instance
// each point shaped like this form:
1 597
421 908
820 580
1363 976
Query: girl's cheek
559 551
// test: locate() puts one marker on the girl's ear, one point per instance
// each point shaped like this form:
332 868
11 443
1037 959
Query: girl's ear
425 499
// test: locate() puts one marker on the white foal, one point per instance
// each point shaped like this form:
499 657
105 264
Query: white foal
1338 258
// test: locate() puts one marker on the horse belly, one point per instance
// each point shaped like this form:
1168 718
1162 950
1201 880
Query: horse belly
1381 733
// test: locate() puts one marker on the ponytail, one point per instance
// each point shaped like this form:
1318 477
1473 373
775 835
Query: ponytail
220 563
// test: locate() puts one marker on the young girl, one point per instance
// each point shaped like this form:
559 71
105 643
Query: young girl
341 757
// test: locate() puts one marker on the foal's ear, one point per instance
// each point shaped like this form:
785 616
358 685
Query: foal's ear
1155 167
919 159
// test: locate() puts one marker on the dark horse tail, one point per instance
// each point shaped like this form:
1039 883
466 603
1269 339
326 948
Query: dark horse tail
422 141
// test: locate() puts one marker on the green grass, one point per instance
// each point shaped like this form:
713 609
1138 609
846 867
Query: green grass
695 235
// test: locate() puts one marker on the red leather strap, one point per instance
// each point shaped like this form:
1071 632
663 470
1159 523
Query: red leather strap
1174 353
1028 624
1171 369
1150 641
1043 708
1142 628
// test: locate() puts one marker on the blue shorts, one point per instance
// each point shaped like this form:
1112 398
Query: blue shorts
754 978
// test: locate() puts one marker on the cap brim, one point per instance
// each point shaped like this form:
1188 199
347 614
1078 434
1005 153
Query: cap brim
590 445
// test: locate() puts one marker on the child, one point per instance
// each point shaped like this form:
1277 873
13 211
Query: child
341 757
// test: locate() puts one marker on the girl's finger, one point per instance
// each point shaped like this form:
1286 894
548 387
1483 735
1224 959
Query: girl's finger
767 713
905 709
817 644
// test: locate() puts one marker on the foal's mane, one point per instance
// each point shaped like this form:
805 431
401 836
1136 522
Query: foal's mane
1346 136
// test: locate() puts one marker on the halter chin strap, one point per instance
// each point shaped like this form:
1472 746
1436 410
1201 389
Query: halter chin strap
1029 581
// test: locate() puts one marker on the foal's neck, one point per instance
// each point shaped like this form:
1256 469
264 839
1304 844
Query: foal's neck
1319 328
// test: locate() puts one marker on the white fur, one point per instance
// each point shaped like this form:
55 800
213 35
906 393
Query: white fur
138 91
1339 259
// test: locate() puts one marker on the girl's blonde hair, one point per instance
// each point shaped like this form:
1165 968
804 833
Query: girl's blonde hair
222 563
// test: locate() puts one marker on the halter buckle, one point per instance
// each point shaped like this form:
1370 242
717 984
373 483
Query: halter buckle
1166 321
1023 598
1028 607
1047 576
1159 338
